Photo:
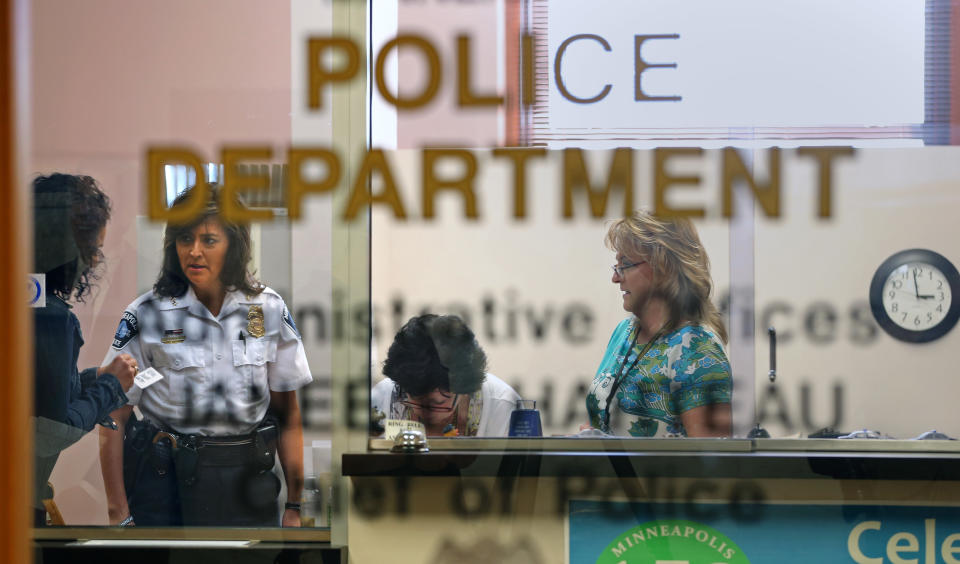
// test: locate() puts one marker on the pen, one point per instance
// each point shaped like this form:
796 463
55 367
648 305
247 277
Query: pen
244 339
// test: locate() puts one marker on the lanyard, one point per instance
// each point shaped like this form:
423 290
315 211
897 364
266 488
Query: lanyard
625 370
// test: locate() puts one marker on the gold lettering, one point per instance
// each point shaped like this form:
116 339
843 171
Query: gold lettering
233 181
435 72
824 157
575 176
360 195
519 158
297 186
735 169
662 180
157 208
528 64
317 72
431 184
464 91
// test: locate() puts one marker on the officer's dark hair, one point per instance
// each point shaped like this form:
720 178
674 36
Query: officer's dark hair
436 352
88 210
172 282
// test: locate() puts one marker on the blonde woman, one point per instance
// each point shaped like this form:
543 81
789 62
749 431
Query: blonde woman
665 372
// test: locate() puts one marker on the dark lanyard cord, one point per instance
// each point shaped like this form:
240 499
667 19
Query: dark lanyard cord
622 374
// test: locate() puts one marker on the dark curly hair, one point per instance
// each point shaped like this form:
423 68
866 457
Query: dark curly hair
436 352
172 282
77 201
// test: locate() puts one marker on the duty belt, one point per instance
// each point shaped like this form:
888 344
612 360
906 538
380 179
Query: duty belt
187 451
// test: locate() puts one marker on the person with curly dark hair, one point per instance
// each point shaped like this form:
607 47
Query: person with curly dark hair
230 361
70 222
437 375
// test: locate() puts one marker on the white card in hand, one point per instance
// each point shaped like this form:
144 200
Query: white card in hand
147 378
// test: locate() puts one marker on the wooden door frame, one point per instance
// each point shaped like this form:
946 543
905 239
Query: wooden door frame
16 370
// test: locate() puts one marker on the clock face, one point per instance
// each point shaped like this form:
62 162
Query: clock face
911 295
917 296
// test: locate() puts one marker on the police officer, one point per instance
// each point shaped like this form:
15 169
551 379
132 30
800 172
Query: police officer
227 360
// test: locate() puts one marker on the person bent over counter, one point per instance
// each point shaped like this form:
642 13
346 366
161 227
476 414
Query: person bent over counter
665 372
227 350
437 375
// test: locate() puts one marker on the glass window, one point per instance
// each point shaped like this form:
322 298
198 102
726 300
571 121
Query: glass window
228 422
833 110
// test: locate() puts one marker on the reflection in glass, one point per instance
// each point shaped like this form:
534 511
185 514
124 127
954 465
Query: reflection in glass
70 221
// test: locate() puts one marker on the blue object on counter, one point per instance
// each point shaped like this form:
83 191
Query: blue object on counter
525 420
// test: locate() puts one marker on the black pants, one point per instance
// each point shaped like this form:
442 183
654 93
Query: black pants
220 487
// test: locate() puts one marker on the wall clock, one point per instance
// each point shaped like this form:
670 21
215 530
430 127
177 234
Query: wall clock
915 295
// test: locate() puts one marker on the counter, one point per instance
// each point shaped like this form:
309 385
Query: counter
592 500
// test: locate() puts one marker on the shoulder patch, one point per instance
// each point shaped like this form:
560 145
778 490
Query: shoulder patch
128 329
288 319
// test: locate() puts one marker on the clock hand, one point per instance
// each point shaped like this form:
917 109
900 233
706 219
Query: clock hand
916 289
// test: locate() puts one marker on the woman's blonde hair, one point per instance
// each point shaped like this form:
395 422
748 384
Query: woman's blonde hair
681 268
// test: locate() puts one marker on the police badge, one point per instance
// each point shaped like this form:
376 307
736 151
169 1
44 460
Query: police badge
255 321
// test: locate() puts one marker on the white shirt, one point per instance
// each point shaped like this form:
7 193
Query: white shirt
217 372
499 401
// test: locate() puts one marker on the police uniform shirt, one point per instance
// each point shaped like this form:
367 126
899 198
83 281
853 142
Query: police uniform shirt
218 371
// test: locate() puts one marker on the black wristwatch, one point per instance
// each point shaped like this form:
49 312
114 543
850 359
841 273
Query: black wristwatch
292 505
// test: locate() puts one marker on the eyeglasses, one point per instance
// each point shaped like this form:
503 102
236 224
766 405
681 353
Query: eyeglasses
620 268
437 408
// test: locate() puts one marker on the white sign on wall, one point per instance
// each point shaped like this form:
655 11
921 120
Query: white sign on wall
37 289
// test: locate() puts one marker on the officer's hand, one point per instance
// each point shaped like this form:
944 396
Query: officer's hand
291 518
124 367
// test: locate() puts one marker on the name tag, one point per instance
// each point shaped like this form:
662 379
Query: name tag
147 378
393 427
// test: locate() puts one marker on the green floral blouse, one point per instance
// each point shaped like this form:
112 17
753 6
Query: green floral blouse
681 370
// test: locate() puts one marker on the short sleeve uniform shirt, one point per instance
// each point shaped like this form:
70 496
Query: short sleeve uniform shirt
218 371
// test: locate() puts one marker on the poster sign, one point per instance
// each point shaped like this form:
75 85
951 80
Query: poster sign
621 532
